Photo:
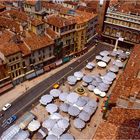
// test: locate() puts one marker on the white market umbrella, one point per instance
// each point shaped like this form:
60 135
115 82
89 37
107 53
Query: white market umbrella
21 135
49 123
64 107
113 53
104 53
97 91
51 108
78 123
114 68
33 125
90 110
55 92
79 75
91 88
108 78
87 79
106 59
89 67
66 136
118 63
45 99
107 82
98 57
55 116
71 79
81 102
72 97
84 84
73 111
84 116
101 64
63 96
102 94
57 131
111 74
51 137
63 123
92 103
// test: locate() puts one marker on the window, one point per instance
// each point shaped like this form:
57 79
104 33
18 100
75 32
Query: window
13 59
50 48
9 60
18 65
50 54
17 57
23 64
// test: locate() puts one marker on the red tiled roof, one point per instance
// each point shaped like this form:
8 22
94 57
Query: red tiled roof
2 6
15 13
24 49
36 22
9 48
121 124
9 24
37 42
128 6
59 21
30 2
5 36
71 3
51 33
53 6
126 81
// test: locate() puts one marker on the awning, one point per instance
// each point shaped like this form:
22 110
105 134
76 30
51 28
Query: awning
66 59
5 88
58 62
46 68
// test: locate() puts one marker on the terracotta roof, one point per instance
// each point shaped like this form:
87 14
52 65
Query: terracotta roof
15 13
87 9
9 24
59 21
5 36
9 49
71 3
126 85
87 16
36 22
35 42
128 6
24 49
30 2
2 6
121 124
120 116
53 6
51 33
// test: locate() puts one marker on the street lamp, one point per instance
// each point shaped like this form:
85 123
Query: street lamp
117 40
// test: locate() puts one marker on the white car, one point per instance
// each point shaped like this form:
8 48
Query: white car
6 107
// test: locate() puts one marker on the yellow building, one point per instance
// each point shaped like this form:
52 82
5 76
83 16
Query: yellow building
80 34
65 28
37 26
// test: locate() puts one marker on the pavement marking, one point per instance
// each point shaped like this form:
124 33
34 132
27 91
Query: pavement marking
53 83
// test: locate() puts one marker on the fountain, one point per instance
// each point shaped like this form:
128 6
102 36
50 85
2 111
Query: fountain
80 90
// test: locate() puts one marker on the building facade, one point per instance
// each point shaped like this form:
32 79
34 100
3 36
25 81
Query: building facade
123 25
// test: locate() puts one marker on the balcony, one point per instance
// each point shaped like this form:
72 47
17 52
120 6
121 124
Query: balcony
67 32
137 29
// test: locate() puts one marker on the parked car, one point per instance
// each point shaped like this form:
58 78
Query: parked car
11 119
8 105
56 86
